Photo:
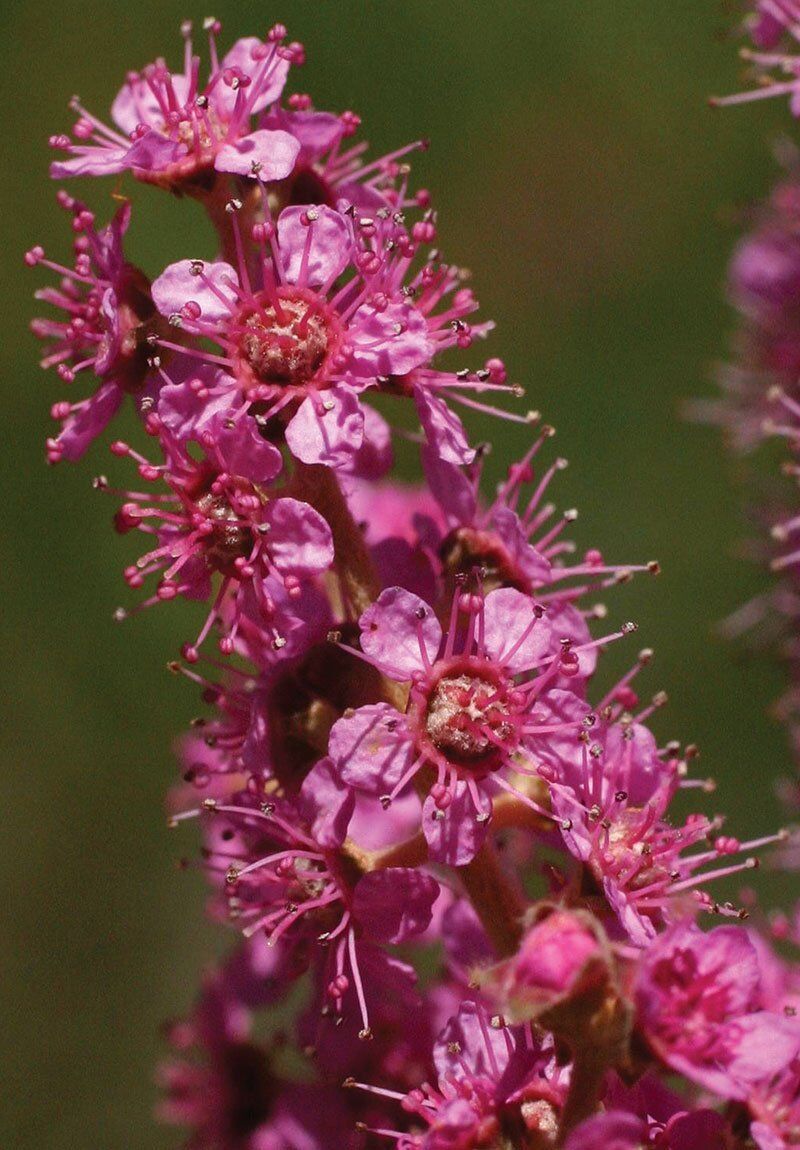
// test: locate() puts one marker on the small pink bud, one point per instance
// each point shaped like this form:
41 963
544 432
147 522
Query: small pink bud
552 955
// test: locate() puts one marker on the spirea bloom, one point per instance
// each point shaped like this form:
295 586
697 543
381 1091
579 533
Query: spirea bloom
105 312
489 1077
479 703
172 129
217 520
698 1001
283 877
328 310
613 796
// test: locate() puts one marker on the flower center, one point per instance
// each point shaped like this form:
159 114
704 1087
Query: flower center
230 538
286 341
470 720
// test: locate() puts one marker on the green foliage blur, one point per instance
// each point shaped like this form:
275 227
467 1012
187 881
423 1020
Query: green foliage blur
582 177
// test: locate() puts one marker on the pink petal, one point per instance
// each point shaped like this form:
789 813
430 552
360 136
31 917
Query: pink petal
330 250
525 558
328 428
274 153
455 835
327 805
400 633
514 634
316 131
153 151
451 489
89 420
395 904
371 749
392 341
299 539
90 161
240 56
180 408
244 452
468 1040
374 458
136 104
765 1138
444 431
177 285
767 1044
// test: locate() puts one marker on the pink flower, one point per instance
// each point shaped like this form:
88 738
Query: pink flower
217 520
172 130
697 997
327 316
612 794
105 304
283 874
490 1077
480 698
517 542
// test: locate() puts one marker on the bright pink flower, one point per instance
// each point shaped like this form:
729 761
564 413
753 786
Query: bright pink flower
612 794
217 520
283 874
327 316
516 541
328 171
105 304
698 1002
481 700
173 130
490 1077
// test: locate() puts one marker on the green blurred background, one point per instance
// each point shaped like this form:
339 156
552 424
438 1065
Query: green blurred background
581 175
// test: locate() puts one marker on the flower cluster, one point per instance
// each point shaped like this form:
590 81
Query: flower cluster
405 764
759 403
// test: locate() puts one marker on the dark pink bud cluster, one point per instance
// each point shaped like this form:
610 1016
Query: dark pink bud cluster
467 907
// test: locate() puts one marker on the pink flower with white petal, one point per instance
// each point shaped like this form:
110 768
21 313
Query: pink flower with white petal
105 310
479 704
172 130
217 520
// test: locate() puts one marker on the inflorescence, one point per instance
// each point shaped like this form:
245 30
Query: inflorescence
403 742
